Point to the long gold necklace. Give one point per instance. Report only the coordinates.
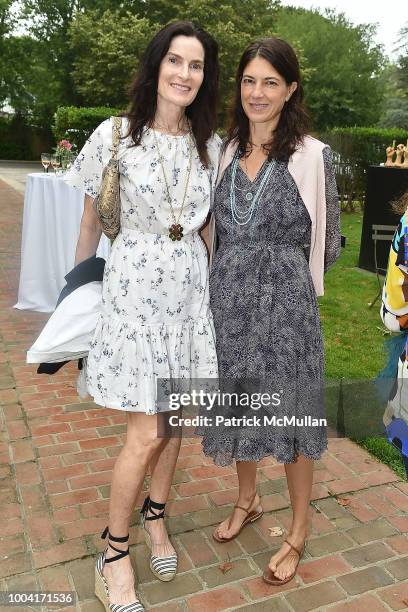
(176, 230)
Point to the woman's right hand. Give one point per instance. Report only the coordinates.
(89, 233)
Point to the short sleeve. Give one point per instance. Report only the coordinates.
(333, 236)
(86, 171)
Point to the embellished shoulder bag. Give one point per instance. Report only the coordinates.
(107, 202)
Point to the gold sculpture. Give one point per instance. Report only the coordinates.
(390, 154)
(405, 164)
(401, 156)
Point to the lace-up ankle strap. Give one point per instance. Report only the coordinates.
(122, 553)
(150, 506)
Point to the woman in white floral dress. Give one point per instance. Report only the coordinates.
(155, 320)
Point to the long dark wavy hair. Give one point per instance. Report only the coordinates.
(202, 111)
(294, 122)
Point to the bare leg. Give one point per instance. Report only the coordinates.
(300, 479)
(246, 471)
(127, 481)
(162, 467)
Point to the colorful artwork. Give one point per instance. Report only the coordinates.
(394, 314)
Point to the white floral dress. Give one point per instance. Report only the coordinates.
(155, 319)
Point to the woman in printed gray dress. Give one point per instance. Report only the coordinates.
(155, 319)
(277, 224)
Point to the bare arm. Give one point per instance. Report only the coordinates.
(205, 233)
(89, 233)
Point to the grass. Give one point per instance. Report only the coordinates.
(354, 333)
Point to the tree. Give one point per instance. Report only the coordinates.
(7, 20)
(344, 88)
(395, 112)
(395, 107)
(85, 52)
(402, 66)
(21, 81)
(48, 21)
(117, 41)
(234, 24)
(87, 56)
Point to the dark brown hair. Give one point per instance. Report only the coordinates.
(294, 122)
(143, 91)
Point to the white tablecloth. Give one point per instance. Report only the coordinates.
(51, 221)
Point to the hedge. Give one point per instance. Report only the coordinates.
(21, 141)
(356, 148)
(76, 124)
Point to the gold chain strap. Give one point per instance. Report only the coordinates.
(176, 221)
(116, 134)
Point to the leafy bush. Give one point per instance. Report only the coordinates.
(76, 124)
(354, 149)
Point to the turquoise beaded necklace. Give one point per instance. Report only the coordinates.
(241, 216)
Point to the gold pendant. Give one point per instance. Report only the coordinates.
(176, 231)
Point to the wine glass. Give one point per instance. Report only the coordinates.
(45, 160)
(55, 162)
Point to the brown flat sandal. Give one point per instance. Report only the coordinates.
(269, 576)
(251, 518)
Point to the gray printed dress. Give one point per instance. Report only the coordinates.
(155, 321)
(266, 315)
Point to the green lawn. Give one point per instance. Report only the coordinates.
(353, 332)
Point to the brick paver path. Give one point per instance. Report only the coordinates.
(56, 457)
